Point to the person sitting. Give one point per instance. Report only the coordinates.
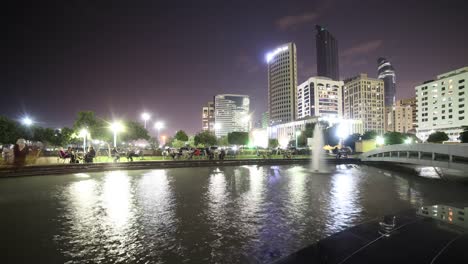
(20, 151)
(88, 158)
(70, 153)
(115, 154)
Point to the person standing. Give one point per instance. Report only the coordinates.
(20, 151)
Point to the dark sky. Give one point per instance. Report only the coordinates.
(119, 58)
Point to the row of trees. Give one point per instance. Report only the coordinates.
(98, 128)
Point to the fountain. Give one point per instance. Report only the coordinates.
(317, 158)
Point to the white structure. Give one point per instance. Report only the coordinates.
(282, 84)
(231, 114)
(320, 96)
(442, 104)
(364, 100)
(208, 117)
(400, 116)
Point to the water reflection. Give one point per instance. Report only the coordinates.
(204, 215)
(344, 207)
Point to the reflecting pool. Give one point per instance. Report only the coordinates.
(199, 215)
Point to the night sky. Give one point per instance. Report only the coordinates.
(119, 58)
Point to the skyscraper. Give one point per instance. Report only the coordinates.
(282, 84)
(231, 114)
(387, 74)
(327, 54)
(364, 100)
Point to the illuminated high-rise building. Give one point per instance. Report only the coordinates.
(364, 100)
(208, 117)
(282, 84)
(231, 114)
(320, 97)
(327, 54)
(386, 72)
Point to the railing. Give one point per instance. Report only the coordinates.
(436, 155)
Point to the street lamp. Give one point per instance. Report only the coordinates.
(298, 133)
(116, 127)
(158, 126)
(27, 121)
(145, 116)
(84, 134)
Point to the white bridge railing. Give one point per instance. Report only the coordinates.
(436, 155)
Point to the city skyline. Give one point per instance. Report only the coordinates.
(120, 61)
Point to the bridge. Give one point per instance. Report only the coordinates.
(449, 156)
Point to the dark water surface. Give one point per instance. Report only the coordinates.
(198, 215)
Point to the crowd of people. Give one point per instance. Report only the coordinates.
(195, 153)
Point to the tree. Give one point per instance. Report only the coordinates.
(273, 143)
(178, 143)
(97, 128)
(181, 135)
(10, 131)
(371, 134)
(134, 131)
(437, 137)
(464, 135)
(238, 138)
(392, 138)
(205, 138)
(223, 141)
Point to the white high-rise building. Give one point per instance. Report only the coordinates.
(442, 104)
(231, 114)
(364, 100)
(282, 84)
(320, 97)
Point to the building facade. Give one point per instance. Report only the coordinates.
(364, 100)
(282, 84)
(265, 120)
(231, 114)
(208, 117)
(442, 104)
(400, 116)
(327, 54)
(386, 72)
(321, 97)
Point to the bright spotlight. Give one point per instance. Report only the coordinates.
(83, 133)
(117, 126)
(145, 116)
(27, 121)
(379, 140)
(408, 141)
(158, 125)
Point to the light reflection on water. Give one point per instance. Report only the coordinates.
(203, 215)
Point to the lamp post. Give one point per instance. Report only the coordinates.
(84, 134)
(116, 127)
(145, 116)
(158, 126)
(298, 133)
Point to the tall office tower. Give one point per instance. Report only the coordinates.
(231, 114)
(208, 117)
(364, 100)
(443, 104)
(387, 74)
(327, 54)
(400, 116)
(282, 84)
(320, 97)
